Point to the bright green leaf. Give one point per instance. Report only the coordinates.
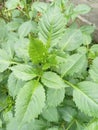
(37, 51)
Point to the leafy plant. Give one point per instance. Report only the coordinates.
(48, 67)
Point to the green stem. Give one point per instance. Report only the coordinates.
(70, 84)
(69, 126)
(13, 62)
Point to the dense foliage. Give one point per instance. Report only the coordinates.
(48, 67)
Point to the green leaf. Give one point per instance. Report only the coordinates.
(37, 51)
(71, 40)
(86, 98)
(23, 72)
(51, 114)
(79, 126)
(94, 70)
(88, 29)
(37, 124)
(92, 126)
(33, 125)
(55, 96)
(51, 26)
(14, 85)
(32, 97)
(21, 48)
(0, 123)
(82, 9)
(26, 28)
(67, 113)
(86, 39)
(12, 4)
(39, 6)
(53, 128)
(3, 31)
(52, 80)
(4, 60)
(74, 64)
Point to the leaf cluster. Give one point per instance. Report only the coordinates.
(48, 67)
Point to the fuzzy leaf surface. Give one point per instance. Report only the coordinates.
(76, 63)
(86, 98)
(52, 80)
(23, 72)
(14, 85)
(71, 40)
(51, 26)
(4, 60)
(32, 97)
(51, 114)
(37, 51)
(94, 70)
(55, 96)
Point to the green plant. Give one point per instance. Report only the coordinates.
(48, 68)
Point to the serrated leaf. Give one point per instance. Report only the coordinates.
(33, 125)
(26, 28)
(4, 60)
(71, 40)
(14, 85)
(51, 26)
(37, 51)
(23, 72)
(55, 96)
(94, 70)
(32, 97)
(50, 114)
(52, 80)
(86, 97)
(75, 63)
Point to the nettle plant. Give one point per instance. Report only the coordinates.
(48, 67)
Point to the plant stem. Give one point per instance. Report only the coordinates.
(69, 126)
(13, 62)
(70, 84)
